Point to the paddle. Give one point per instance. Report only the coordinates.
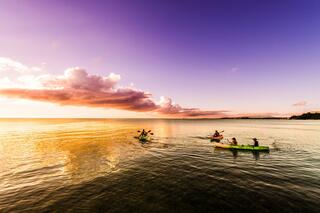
(147, 132)
(140, 131)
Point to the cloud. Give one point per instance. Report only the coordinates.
(300, 104)
(78, 79)
(15, 74)
(260, 115)
(119, 99)
(9, 66)
(78, 88)
(166, 106)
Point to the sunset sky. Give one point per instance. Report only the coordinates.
(167, 58)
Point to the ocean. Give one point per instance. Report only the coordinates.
(96, 165)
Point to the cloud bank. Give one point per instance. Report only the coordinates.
(79, 88)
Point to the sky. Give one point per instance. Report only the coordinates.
(168, 58)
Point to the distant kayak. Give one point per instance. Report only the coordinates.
(143, 138)
(241, 147)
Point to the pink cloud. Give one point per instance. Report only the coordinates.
(300, 104)
(167, 107)
(78, 79)
(77, 87)
(260, 115)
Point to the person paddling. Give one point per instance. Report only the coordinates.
(216, 134)
(234, 142)
(143, 133)
(255, 142)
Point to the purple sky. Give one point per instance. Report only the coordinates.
(245, 56)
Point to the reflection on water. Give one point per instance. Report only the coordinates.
(235, 153)
(89, 164)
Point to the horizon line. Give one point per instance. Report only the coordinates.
(169, 118)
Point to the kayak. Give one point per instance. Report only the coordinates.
(143, 138)
(217, 138)
(241, 147)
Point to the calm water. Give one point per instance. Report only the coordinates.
(96, 165)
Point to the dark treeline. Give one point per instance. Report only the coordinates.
(262, 118)
(307, 116)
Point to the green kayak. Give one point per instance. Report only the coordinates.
(241, 147)
(143, 138)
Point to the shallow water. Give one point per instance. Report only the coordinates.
(91, 165)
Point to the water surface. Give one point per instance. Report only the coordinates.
(91, 165)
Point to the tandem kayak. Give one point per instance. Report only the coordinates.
(241, 147)
(143, 138)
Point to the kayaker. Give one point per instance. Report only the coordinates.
(216, 134)
(255, 142)
(234, 142)
(143, 133)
